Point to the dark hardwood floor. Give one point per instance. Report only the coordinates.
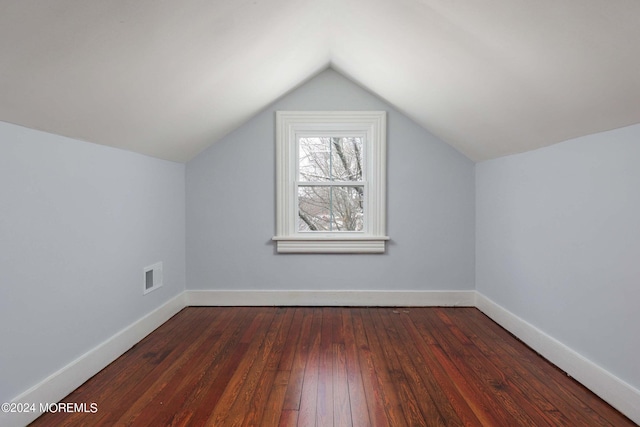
(266, 366)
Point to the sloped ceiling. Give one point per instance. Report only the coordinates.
(168, 78)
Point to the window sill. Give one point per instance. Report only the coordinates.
(330, 245)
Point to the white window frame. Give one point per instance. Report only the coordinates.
(291, 125)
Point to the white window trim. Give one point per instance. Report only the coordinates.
(370, 124)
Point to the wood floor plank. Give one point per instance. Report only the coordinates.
(490, 379)
(269, 374)
(189, 386)
(169, 383)
(254, 339)
(447, 390)
(333, 366)
(275, 401)
(373, 390)
(245, 403)
(207, 394)
(143, 391)
(449, 357)
(288, 418)
(544, 399)
(435, 408)
(341, 401)
(357, 396)
(133, 365)
(389, 394)
(416, 411)
(309, 393)
(592, 410)
(299, 363)
(324, 402)
(291, 343)
(511, 397)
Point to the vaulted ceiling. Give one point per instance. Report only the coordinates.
(169, 78)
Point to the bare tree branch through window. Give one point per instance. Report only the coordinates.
(331, 186)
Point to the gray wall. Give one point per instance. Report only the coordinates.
(78, 222)
(231, 212)
(558, 243)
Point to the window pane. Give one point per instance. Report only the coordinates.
(325, 208)
(346, 159)
(330, 159)
(314, 159)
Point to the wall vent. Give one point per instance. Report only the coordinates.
(152, 277)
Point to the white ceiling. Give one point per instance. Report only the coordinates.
(168, 78)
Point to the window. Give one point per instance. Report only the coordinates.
(330, 194)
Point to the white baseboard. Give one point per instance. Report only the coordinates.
(613, 390)
(61, 383)
(331, 298)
